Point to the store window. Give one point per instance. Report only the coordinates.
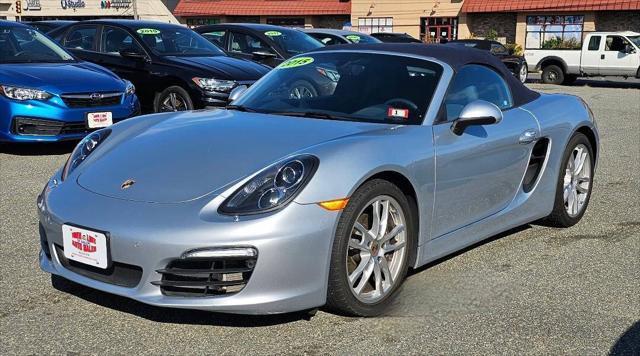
(286, 21)
(375, 24)
(554, 32)
(435, 29)
(195, 22)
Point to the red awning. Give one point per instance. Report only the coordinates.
(548, 5)
(261, 7)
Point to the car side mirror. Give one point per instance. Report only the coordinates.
(263, 54)
(237, 92)
(131, 53)
(478, 112)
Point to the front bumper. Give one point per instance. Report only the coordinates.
(290, 274)
(62, 122)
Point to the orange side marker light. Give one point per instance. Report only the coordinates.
(334, 205)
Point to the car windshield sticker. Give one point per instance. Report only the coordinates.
(148, 31)
(398, 113)
(353, 38)
(295, 62)
(273, 33)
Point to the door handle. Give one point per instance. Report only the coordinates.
(528, 137)
(602, 56)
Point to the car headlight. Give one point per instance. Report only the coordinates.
(210, 84)
(272, 188)
(83, 150)
(18, 93)
(131, 89)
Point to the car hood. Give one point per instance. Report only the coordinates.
(224, 67)
(182, 157)
(60, 78)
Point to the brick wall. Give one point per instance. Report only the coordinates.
(618, 21)
(504, 24)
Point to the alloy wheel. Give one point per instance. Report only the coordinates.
(301, 92)
(577, 180)
(524, 72)
(173, 102)
(376, 250)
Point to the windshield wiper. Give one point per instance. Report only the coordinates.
(240, 108)
(315, 114)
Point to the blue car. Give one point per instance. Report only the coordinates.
(46, 94)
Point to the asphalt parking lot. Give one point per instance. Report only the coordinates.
(533, 290)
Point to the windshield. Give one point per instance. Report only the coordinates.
(635, 40)
(347, 86)
(177, 41)
(26, 45)
(293, 42)
(361, 38)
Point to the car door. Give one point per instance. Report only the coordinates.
(81, 40)
(113, 40)
(615, 59)
(247, 46)
(479, 172)
(591, 58)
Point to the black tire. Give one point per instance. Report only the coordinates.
(569, 79)
(559, 217)
(552, 74)
(340, 298)
(181, 94)
(305, 88)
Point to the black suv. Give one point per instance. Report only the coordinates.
(172, 67)
(516, 64)
(267, 44)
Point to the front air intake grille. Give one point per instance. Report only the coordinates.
(120, 274)
(42, 127)
(91, 100)
(204, 277)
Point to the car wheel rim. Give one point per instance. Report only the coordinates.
(376, 249)
(577, 180)
(173, 102)
(301, 92)
(523, 74)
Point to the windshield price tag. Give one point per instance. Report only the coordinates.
(273, 33)
(353, 38)
(148, 31)
(398, 113)
(295, 62)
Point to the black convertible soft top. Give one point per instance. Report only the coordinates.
(455, 56)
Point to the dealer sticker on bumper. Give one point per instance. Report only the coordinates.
(85, 246)
(97, 120)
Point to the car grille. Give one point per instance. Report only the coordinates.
(120, 274)
(41, 127)
(92, 100)
(202, 277)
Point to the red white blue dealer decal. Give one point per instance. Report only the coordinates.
(398, 113)
(85, 246)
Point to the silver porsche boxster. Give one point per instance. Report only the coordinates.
(321, 185)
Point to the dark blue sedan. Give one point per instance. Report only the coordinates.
(46, 94)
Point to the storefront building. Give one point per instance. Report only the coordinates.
(427, 20)
(291, 13)
(549, 24)
(37, 10)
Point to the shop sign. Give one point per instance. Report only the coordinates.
(72, 4)
(32, 5)
(115, 4)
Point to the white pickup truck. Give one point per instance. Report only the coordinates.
(602, 54)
